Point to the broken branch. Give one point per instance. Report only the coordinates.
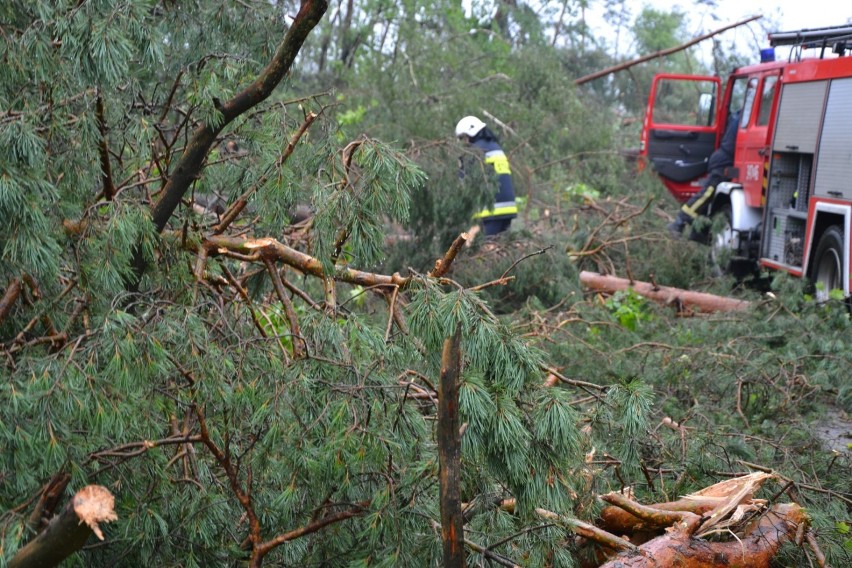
(66, 533)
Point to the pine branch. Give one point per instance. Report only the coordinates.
(357, 510)
(491, 555)
(189, 165)
(103, 149)
(663, 53)
(237, 207)
(443, 266)
(223, 458)
(653, 516)
(289, 310)
(588, 531)
(273, 249)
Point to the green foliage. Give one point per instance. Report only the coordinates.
(363, 191)
(656, 30)
(629, 308)
(580, 192)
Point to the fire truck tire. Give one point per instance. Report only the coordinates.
(827, 270)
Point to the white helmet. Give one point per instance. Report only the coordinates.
(469, 126)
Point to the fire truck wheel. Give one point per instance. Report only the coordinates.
(828, 263)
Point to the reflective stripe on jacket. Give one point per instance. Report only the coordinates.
(502, 209)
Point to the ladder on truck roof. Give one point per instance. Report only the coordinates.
(839, 38)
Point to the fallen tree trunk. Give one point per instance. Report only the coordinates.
(67, 532)
(682, 299)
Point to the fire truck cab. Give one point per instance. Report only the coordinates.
(788, 202)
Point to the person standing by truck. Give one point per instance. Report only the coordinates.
(720, 159)
(498, 218)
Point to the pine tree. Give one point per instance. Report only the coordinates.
(244, 389)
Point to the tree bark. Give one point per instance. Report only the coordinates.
(449, 453)
(10, 296)
(682, 299)
(66, 533)
(48, 502)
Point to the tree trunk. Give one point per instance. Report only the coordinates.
(66, 533)
(682, 299)
(449, 453)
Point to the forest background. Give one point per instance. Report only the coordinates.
(230, 266)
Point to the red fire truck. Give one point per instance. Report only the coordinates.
(788, 204)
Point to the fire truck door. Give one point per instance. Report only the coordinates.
(681, 130)
(752, 152)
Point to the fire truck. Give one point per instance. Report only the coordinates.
(788, 202)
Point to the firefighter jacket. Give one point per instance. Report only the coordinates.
(504, 202)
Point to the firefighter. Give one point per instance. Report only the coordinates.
(498, 218)
(720, 159)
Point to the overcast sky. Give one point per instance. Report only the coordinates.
(778, 15)
(790, 14)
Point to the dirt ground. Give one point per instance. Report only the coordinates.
(835, 430)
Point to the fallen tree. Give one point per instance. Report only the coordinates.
(683, 300)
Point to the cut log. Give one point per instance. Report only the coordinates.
(67, 532)
(682, 299)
